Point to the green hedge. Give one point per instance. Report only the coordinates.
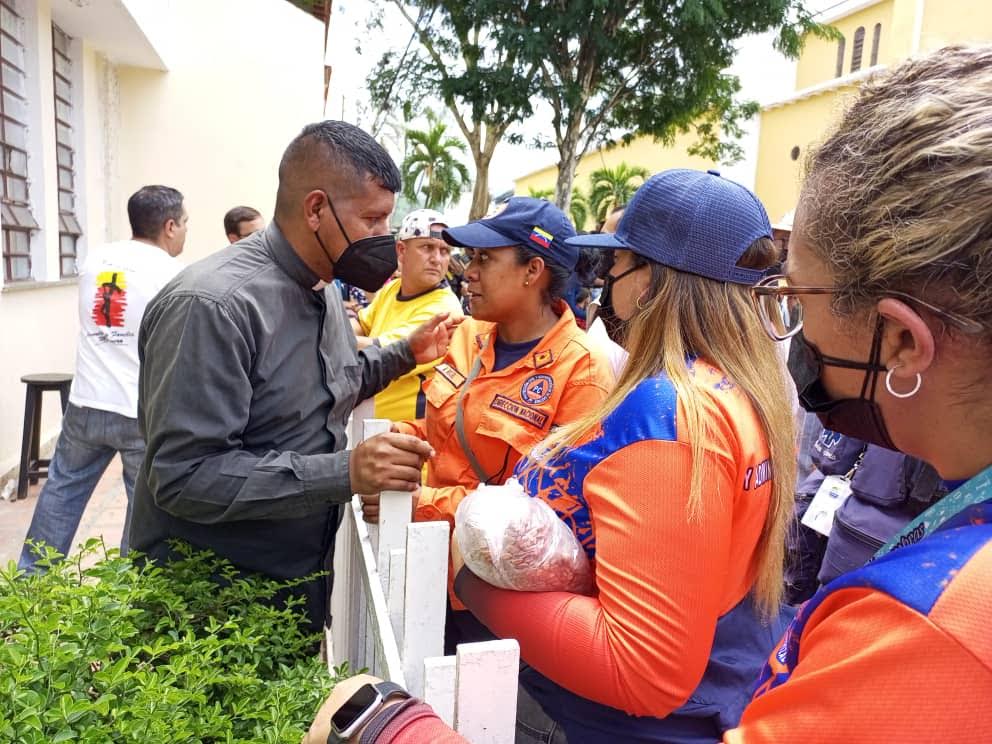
(98, 649)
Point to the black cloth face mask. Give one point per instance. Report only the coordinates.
(616, 327)
(859, 417)
(365, 263)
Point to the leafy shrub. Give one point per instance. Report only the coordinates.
(99, 649)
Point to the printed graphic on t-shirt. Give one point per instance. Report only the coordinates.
(110, 301)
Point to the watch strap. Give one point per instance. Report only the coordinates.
(382, 719)
(389, 689)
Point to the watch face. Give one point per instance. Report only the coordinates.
(364, 699)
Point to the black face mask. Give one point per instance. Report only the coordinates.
(859, 417)
(616, 327)
(365, 263)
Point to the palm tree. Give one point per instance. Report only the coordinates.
(540, 193)
(431, 170)
(578, 209)
(614, 187)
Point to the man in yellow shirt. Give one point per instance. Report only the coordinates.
(420, 292)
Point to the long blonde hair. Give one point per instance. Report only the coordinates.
(689, 316)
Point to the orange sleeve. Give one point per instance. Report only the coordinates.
(581, 397)
(440, 502)
(643, 643)
(874, 670)
(415, 428)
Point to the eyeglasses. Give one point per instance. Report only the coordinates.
(781, 311)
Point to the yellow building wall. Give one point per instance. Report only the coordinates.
(642, 151)
(956, 22)
(818, 62)
(801, 124)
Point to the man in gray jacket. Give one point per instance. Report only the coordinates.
(249, 371)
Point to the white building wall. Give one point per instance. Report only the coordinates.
(243, 77)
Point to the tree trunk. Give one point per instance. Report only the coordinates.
(480, 192)
(568, 155)
(483, 157)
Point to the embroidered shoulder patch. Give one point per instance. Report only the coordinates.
(543, 358)
(520, 411)
(452, 375)
(537, 389)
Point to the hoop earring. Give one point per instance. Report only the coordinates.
(893, 393)
(637, 302)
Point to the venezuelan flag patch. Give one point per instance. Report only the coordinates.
(542, 237)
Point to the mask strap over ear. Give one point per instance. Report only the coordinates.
(336, 218)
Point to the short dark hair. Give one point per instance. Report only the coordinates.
(236, 216)
(150, 207)
(332, 151)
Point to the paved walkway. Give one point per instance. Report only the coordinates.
(104, 515)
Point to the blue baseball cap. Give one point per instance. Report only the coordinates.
(692, 221)
(533, 223)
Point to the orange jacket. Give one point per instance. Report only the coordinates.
(507, 411)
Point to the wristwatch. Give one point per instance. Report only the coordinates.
(360, 708)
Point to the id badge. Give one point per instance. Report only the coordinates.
(833, 492)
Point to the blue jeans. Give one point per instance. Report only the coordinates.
(89, 440)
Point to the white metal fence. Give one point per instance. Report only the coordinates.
(388, 608)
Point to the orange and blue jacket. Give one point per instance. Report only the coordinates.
(898, 650)
(673, 591)
(506, 411)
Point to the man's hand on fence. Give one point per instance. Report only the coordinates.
(388, 462)
(370, 506)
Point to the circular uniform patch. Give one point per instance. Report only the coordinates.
(537, 389)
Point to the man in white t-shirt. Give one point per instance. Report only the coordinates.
(116, 282)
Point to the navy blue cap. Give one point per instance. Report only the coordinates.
(693, 221)
(533, 223)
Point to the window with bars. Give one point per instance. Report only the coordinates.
(876, 37)
(18, 222)
(857, 49)
(841, 45)
(69, 230)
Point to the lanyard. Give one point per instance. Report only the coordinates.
(975, 491)
(460, 420)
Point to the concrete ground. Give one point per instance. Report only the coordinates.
(104, 515)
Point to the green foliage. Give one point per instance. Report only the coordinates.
(614, 187)
(432, 174)
(579, 209)
(540, 193)
(116, 652)
(656, 68)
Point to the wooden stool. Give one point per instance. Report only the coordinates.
(32, 468)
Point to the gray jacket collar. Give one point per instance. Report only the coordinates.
(286, 257)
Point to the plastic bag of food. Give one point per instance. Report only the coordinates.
(517, 542)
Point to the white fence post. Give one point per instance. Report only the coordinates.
(388, 608)
(439, 687)
(486, 691)
(395, 513)
(426, 587)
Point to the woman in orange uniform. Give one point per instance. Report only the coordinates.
(514, 370)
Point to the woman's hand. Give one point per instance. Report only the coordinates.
(320, 729)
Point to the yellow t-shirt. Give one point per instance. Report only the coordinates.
(391, 317)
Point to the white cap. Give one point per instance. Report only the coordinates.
(418, 224)
(786, 222)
